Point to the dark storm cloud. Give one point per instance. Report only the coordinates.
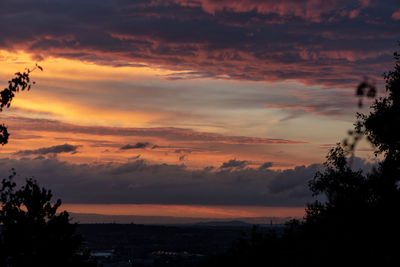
(318, 42)
(65, 148)
(135, 146)
(233, 163)
(141, 182)
(266, 165)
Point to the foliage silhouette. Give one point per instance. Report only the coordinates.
(356, 220)
(20, 82)
(33, 234)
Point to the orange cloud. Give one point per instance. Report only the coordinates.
(167, 133)
(171, 145)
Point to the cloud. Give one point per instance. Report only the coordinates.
(294, 180)
(136, 146)
(65, 148)
(312, 10)
(320, 102)
(321, 109)
(142, 182)
(135, 157)
(165, 133)
(266, 165)
(183, 151)
(233, 163)
(396, 15)
(313, 41)
(138, 181)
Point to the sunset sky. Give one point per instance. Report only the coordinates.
(188, 102)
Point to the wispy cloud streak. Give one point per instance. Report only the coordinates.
(166, 133)
(65, 148)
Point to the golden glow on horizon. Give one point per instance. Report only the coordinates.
(193, 211)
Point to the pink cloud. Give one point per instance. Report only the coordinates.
(354, 13)
(308, 9)
(396, 15)
(235, 62)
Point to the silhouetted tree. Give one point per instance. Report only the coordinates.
(361, 211)
(20, 82)
(33, 233)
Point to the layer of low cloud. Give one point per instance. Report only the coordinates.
(65, 148)
(139, 181)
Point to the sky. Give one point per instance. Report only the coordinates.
(188, 102)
